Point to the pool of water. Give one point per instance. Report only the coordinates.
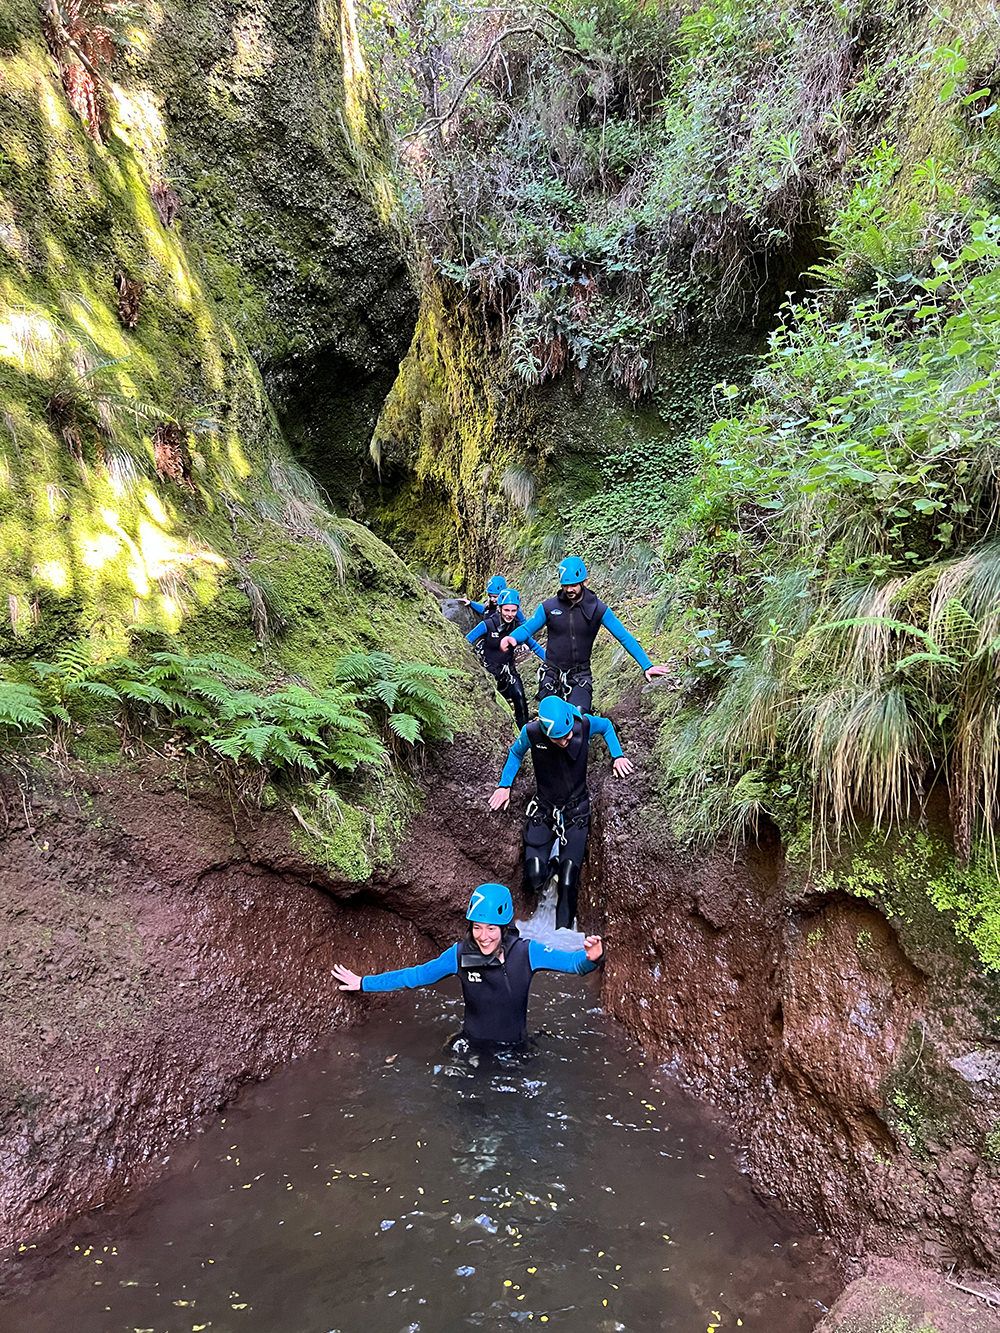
(381, 1186)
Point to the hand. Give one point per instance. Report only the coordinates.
(623, 767)
(462, 601)
(500, 799)
(593, 947)
(507, 643)
(651, 672)
(348, 980)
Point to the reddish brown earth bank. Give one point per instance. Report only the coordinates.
(862, 1074)
(156, 955)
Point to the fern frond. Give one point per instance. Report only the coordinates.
(20, 706)
(406, 726)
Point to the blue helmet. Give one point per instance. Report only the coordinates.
(556, 716)
(509, 597)
(571, 570)
(496, 585)
(491, 905)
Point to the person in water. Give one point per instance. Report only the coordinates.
(573, 618)
(491, 605)
(501, 665)
(493, 963)
(559, 813)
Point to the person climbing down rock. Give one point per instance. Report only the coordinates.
(573, 618)
(495, 966)
(502, 666)
(494, 588)
(560, 811)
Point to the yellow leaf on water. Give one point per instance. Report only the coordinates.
(532, 1270)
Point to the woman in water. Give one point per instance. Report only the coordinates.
(493, 963)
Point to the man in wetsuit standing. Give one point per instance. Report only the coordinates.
(573, 618)
(501, 665)
(560, 811)
(493, 963)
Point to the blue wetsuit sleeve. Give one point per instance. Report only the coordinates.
(603, 726)
(524, 632)
(475, 634)
(628, 641)
(543, 958)
(479, 607)
(515, 756)
(407, 978)
(536, 648)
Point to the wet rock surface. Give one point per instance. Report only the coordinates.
(897, 1298)
(158, 955)
(860, 1079)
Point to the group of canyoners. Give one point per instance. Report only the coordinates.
(493, 962)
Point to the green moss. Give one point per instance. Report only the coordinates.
(354, 832)
(936, 903)
(922, 1095)
(94, 544)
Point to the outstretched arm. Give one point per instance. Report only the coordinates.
(404, 978)
(543, 958)
(515, 756)
(480, 607)
(536, 648)
(632, 645)
(524, 632)
(628, 641)
(476, 633)
(603, 726)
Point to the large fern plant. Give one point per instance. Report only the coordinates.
(220, 707)
(403, 697)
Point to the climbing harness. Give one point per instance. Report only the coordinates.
(553, 681)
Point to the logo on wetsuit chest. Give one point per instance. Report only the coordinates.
(555, 612)
(473, 976)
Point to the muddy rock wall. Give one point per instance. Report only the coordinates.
(857, 1061)
(158, 955)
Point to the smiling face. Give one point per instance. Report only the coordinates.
(487, 937)
(508, 614)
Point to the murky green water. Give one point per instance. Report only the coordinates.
(376, 1188)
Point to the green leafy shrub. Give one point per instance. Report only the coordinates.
(220, 707)
(837, 543)
(403, 696)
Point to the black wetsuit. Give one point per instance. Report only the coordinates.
(496, 993)
(503, 668)
(572, 628)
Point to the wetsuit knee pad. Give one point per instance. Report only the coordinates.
(536, 872)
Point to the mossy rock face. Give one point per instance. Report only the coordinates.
(475, 473)
(148, 498)
(947, 914)
(263, 109)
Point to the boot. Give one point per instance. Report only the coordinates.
(536, 874)
(569, 880)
